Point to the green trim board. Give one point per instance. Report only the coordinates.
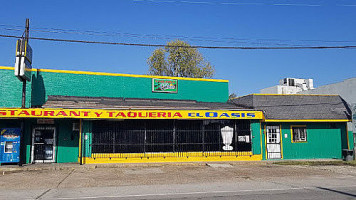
(351, 139)
(87, 129)
(256, 137)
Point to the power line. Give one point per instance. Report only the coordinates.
(241, 3)
(223, 39)
(159, 36)
(194, 46)
(198, 38)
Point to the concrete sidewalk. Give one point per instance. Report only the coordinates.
(73, 175)
(63, 166)
(12, 168)
(7, 168)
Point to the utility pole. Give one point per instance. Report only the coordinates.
(27, 35)
(23, 45)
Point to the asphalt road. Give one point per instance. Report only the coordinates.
(247, 190)
(275, 194)
(314, 187)
(235, 181)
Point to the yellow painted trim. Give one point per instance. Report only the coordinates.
(294, 94)
(170, 154)
(291, 133)
(117, 74)
(17, 45)
(347, 137)
(80, 139)
(162, 159)
(306, 120)
(7, 68)
(261, 137)
(281, 138)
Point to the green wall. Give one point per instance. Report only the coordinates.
(66, 84)
(67, 141)
(11, 90)
(324, 140)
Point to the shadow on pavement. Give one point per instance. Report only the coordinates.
(336, 191)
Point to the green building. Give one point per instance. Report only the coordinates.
(92, 117)
(301, 126)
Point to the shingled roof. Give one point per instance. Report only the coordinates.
(76, 102)
(296, 107)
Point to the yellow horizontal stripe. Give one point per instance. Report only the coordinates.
(117, 74)
(307, 120)
(87, 160)
(168, 154)
(287, 95)
(8, 68)
(297, 94)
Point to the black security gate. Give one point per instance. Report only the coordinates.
(43, 144)
(112, 138)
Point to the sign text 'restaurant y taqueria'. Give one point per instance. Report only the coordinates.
(128, 114)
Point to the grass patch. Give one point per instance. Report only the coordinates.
(317, 163)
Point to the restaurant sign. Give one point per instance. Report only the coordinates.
(165, 85)
(127, 114)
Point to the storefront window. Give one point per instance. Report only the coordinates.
(141, 136)
(299, 133)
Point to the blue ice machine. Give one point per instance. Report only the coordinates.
(10, 145)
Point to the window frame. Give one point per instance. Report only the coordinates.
(292, 134)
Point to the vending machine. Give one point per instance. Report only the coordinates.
(10, 145)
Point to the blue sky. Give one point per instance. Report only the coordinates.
(199, 22)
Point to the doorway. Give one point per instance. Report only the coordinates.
(43, 144)
(273, 142)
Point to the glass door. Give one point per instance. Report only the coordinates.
(43, 144)
(273, 142)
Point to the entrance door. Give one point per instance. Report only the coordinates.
(273, 138)
(43, 144)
